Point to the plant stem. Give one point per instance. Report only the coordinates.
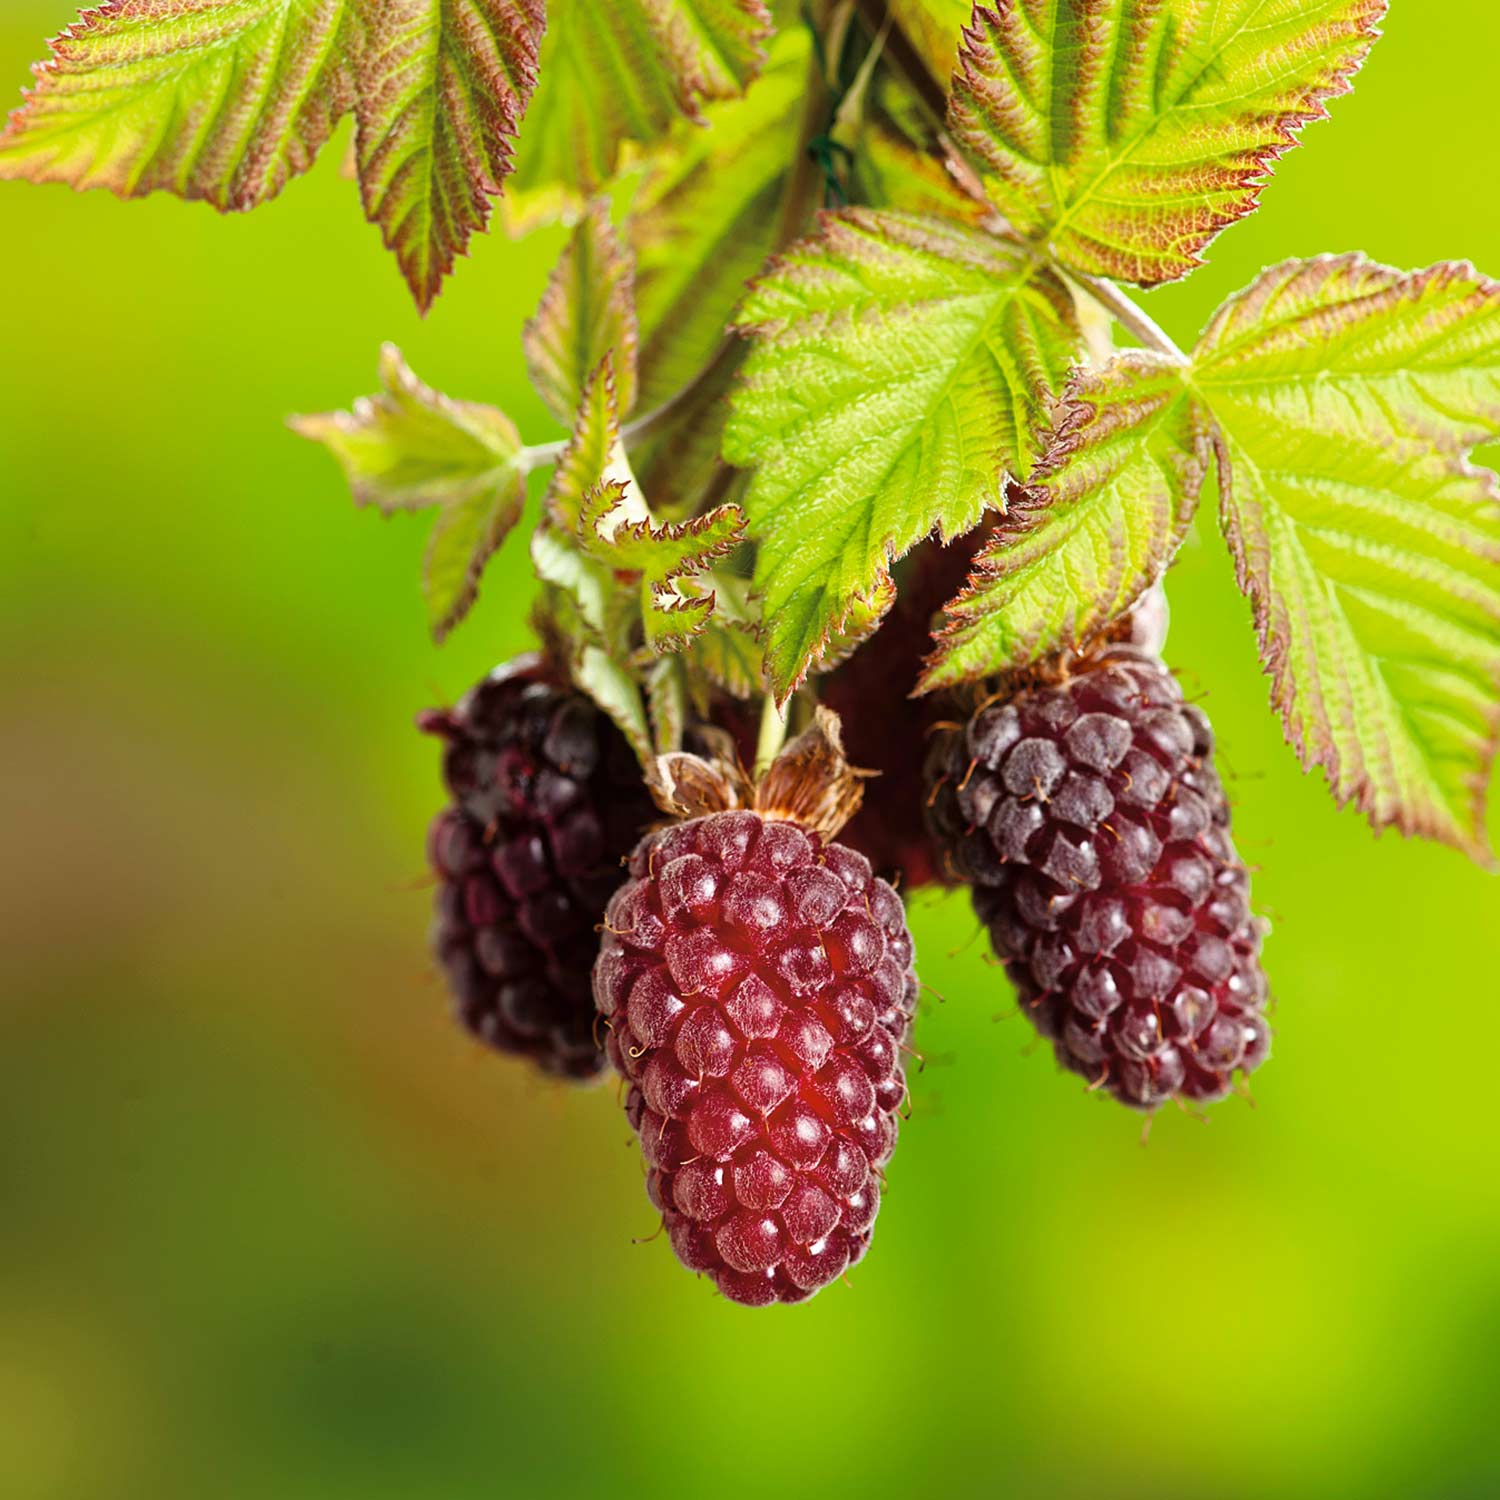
(535, 455)
(1128, 313)
(772, 735)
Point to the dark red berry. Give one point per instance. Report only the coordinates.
(1094, 829)
(758, 987)
(547, 801)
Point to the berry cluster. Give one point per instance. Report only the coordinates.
(1095, 831)
(547, 801)
(758, 987)
(753, 980)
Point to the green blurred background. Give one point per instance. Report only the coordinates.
(271, 1228)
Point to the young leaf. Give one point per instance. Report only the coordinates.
(727, 650)
(200, 98)
(225, 100)
(1348, 396)
(901, 370)
(410, 448)
(1128, 136)
(612, 687)
(1093, 529)
(442, 86)
(587, 314)
(591, 447)
(668, 558)
(625, 70)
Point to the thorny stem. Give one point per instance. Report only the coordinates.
(933, 99)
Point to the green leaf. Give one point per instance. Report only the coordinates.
(727, 650)
(864, 618)
(706, 218)
(895, 167)
(213, 100)
(1348, 396)
(591, 447)
(410, 448)
(1127, 136)
(587, 315)
(557, 551)
(442, 86)
(614, 71)
(669, 558)
(612, 687)
(225, 100)
(891, 153)
(667, 695)
(1091, 532)
(901, 372)
(648, 570)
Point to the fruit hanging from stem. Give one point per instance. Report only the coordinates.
(758, 986)
(547, 798)
(1088, 817)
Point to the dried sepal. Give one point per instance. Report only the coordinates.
(810, 783)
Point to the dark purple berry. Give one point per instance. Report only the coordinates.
(547, 802)
(1094, 829)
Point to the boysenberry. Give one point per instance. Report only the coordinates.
(1089, 819)
(758, 986)
(548, 799)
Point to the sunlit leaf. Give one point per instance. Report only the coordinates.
(225, 100)
(1349, 396)
(1090, 532)
(202, 98)
(442, 86)
(706, 218)
(410, 448)
(1127, 135)
(901, 372)
(618, 71)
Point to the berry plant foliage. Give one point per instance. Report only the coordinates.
(849, 570)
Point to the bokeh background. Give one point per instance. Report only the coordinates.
(269, 1227)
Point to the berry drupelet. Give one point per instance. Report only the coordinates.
(547, 801)
(758, 987)
(1089, 819)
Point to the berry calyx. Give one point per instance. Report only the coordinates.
(1089, 819)
(547, 799)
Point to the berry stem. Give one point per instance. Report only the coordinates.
(772, 735)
